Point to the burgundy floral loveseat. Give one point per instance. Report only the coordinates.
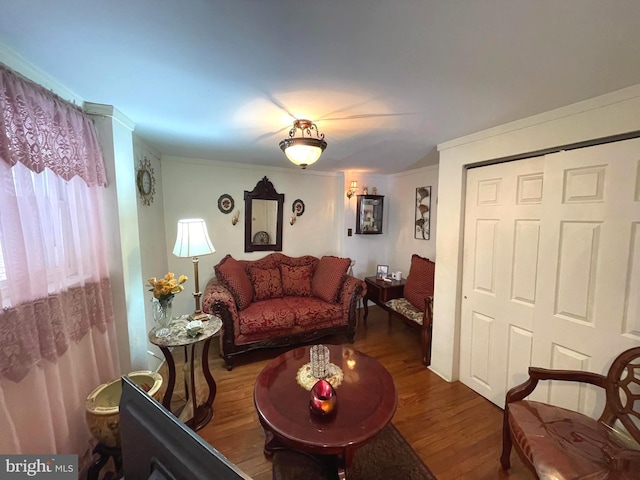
(280, 300)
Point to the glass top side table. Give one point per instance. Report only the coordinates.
(178, 337)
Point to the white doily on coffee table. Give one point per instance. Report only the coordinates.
(306, 380)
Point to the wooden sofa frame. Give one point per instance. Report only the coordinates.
(229, 349)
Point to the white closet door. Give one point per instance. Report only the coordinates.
(502, 233)
(589, 278)
(551, 269)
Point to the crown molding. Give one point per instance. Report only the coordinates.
(110, 111)
(19, 64)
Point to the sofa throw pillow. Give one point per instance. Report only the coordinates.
(267, 282)
(328, 277)
(419, 284)
(296, 280)
(233, 276)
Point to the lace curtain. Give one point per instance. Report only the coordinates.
(41, 130)
(57, 337)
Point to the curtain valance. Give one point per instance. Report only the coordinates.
(41, 130)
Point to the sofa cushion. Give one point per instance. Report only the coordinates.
(270, 261)
(266, 316)
(298, 261)
(328, 277)
(419, 284)
(406, 309)
(233, 275)
(296, 280)
(311, 311)
(267, 282)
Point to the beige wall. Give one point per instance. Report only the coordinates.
(402, 193)
(151, 231)
(610, 114)
(191, 188)
(366, 250)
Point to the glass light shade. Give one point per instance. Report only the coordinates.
(192, 239)
(354, 185)
(303, 154)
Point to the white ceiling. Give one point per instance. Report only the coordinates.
(217, 79)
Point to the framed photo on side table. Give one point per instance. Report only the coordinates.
(382, 271)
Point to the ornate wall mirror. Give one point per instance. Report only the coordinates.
(263, 218)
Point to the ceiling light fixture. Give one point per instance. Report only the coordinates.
(301, 150)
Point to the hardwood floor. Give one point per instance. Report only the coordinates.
(455, 431)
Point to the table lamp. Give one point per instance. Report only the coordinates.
(193, 241)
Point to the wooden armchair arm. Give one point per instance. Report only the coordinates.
(536, 374)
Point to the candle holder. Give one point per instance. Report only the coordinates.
(323, 399)
(319, 360)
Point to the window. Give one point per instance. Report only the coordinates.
(53, 235)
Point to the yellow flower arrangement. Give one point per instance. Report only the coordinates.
(165, 288)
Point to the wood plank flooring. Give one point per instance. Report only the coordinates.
(455, 431)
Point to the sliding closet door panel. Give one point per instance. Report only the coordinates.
(502, 235)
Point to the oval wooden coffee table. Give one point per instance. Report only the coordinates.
(366, 403)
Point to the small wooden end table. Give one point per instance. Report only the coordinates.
(179, 338)
(380, 292)
(366, 402)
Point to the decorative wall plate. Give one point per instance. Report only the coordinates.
(225, 203)
(298, 207)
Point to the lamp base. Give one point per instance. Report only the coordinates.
(199, 316)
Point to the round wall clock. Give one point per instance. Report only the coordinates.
(225, 203)
(146, 181)
(298, 207)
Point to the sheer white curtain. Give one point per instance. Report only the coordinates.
(57, 335)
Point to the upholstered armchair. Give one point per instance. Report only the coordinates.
(560, 444)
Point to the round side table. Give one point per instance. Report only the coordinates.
(178, 337)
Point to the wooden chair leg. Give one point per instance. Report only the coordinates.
(426, 333)
(423, 344)
(505, 458)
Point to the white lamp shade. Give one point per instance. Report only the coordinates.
(192, 239)
(303, 154)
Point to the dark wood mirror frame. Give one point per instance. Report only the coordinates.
(263, 191)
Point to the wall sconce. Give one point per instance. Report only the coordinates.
(293, 219)
(353, 188)
(235, 218)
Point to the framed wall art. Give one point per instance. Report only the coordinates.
(423, 213)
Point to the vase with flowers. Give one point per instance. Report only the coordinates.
(164, 289)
